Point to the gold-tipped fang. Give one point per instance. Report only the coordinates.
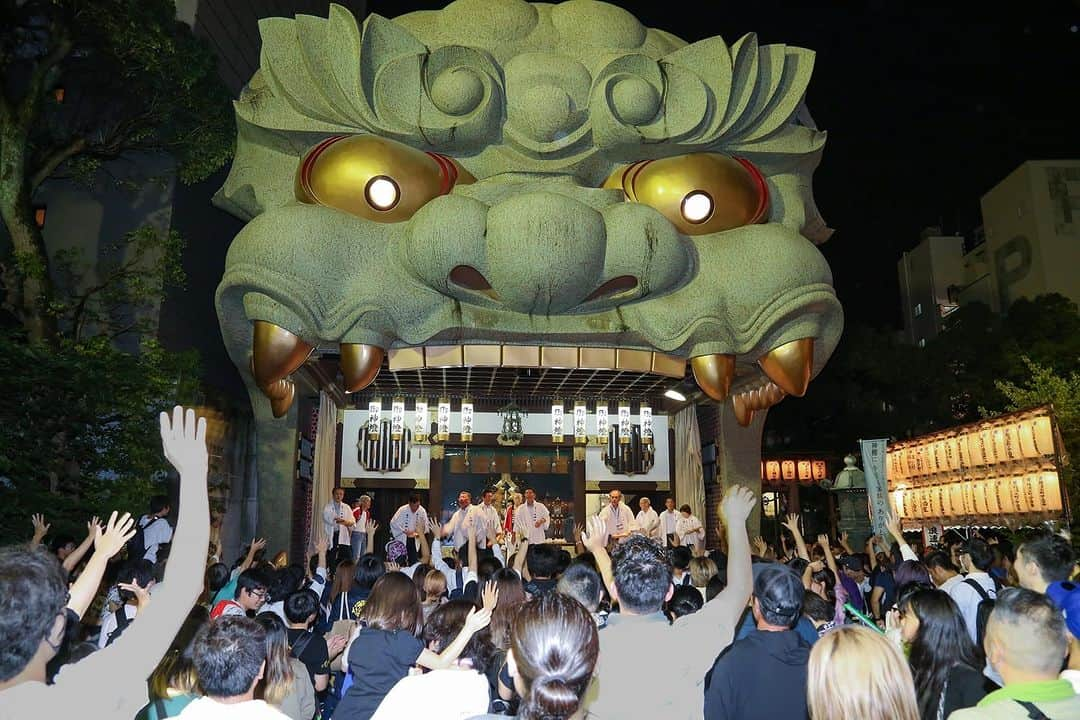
(279, 407)
(360, 364)
(790, 366)
(713, 374)
(276, 353)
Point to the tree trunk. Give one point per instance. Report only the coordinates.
(29, 284)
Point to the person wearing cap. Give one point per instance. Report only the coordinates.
(1066, 596)
(764, 674)
(852, 573)
(1026, 644)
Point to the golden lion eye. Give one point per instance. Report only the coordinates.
(375, 178)
(700, 193)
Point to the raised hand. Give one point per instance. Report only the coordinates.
(792, 523)
(823, 541)
(593, 538)
(391, 566)
(93, 524)
(760, 546)
(142, 595)
(435, 528)
(372, 526)
(184, 441)
(579, 528)
(117, 532)
(490, 595)
(737, 505)
(321, 545)
(477, 620)
(893, 524)
(41, 528)
(257, 544)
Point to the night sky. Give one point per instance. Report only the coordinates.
(927, 108)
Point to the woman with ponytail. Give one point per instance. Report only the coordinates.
(553, 649)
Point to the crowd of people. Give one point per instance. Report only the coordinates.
(479, 617)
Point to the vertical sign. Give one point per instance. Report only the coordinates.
(466, 420)
(420, 421)
(557, 422)
(646, 424)
(877, 487)
(397, 419)
(374, 415)
(624, 423)
(602, 426)
(444, 419)
(581, 414)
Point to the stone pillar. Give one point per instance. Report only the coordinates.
(738, 462)
(275, 459)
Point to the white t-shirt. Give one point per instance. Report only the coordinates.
(209, 709)
(452, 694)
(155, 533)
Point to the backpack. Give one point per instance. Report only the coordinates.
(122, 622)
(136, 546)
(982, 614)
(301, 644)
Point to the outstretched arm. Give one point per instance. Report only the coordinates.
(372, 526)
(906, 553)
(476, 621)
(792, 524)
(823, 543)
(712, 628)
(72, 561)
(41, 528)
(138, 651)
(594, 543)
(107, 543)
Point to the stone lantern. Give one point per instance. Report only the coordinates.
(852, 509)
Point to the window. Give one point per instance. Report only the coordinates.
(918, 309)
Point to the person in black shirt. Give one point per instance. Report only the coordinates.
(305, 643)
(745, 678)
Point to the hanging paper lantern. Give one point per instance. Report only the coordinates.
(602, 424)
(444, 419)
(624, 423)
(557, 422)
(580, 416)
(466, 420)
(374, 415)
(397, 418)
(420, 421)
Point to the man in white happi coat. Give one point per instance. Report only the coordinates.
(618, 519)
(338, 521)
(408, 523)
(648, 521)
(531, 519)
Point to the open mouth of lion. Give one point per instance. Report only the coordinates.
(750, 383)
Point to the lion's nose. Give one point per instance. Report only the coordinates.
(545, 252)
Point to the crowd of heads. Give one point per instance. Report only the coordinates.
(546, 610)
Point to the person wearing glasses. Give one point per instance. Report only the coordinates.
(251, 591)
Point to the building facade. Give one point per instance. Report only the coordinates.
(1028, 245)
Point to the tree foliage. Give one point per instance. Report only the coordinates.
(87, 86)
(81, 430)
(86, 83)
